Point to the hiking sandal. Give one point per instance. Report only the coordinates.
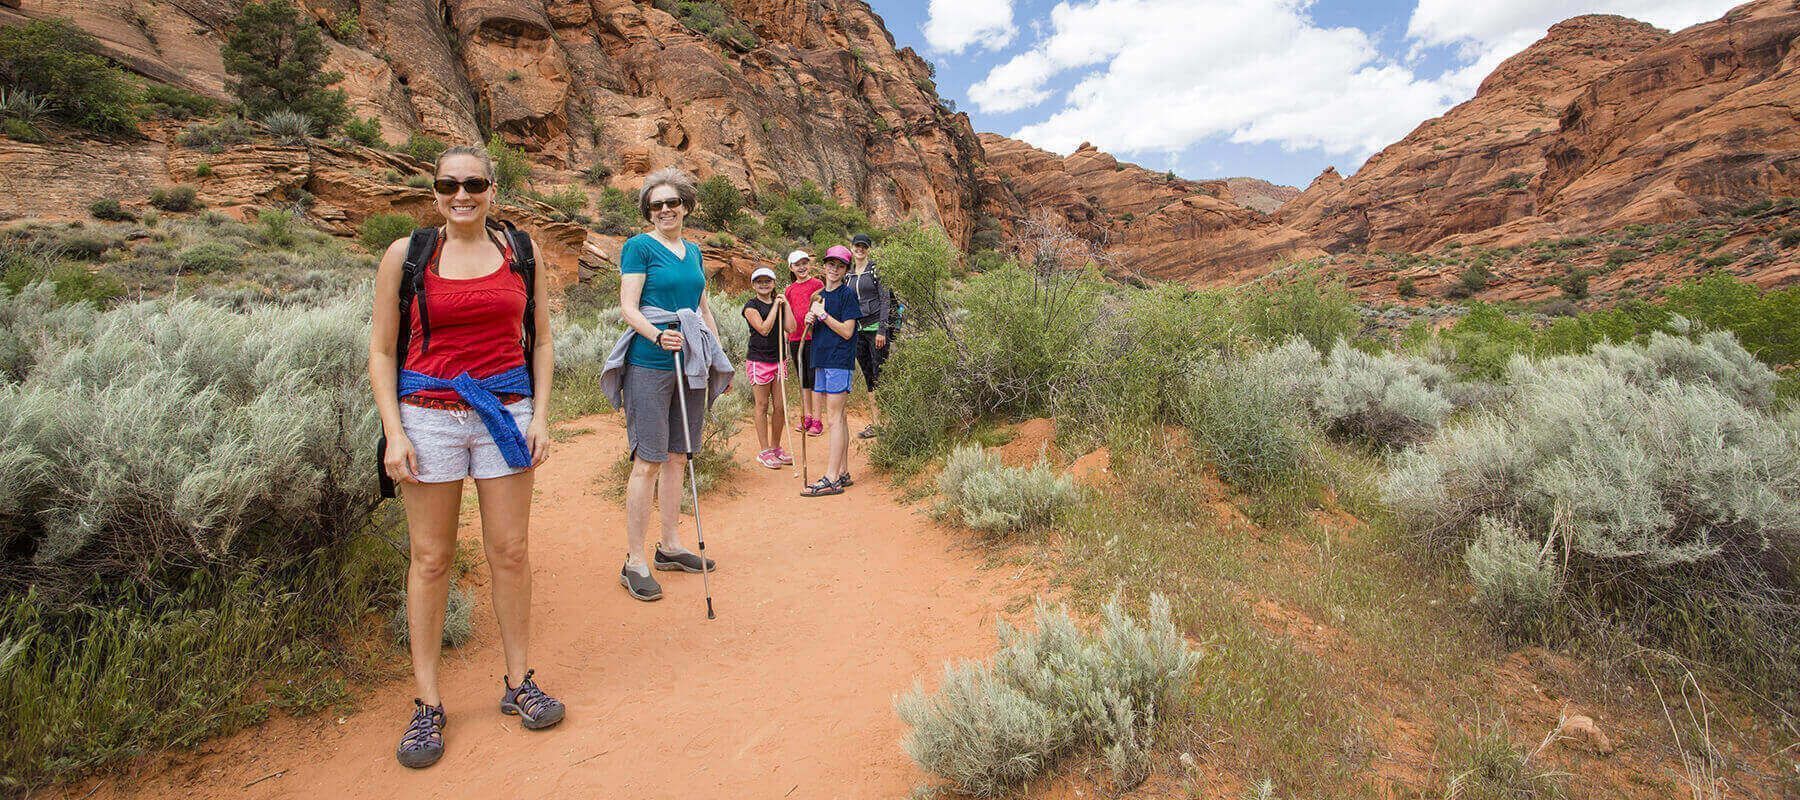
(867, 433)
(821, 488)
(844, 481)
(535, 709)
(423, 743)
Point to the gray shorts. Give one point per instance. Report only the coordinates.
(453, 445)
(652, 413)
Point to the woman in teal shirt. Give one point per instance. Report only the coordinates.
(659, 269)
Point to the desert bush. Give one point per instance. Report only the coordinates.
(380, 230)
(209, 257)
(175, 198)
(215, 137)
(597, 173)
(459, 619)
(1767, 323)
(1512, 573)
(1131, 372)
(1386, 400)
(108, 208)
(23, 105)
(34, 324)
(569, 200)
(720, 202)
(57, 60)
(993, 498)
(173, 102)
(993, 725)
(1671, 500)
(423, 147)
(1249, 421)
(1312, 306)
(288, 127)
(511, 167)
(276, 227)
(364, 131)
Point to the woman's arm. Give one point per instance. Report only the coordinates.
(631, 295)
(760, 323)
(384, 361)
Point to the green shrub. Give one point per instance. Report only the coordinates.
(1311, 305)
(511, 167)
(203, 169)
(1473, 279)
(23, 105)
(617, 213)
(108, 208)
(275, 61)
(1620, 256)
(209, 257)
(55, 59)
(21, 130)
(1514, 578)
(275, 227)
(996, 499)
(993, 725)
(1789, 237)
(288, 127)
(920, 401)
(720, 202)
(1131, 371)
(598, 173)
(569, 200)
(806, 215)
(713, 20)
(423, 147)
(366, 132)
(175, 198)
(1486, 339)
(171, 102)
(216, 137)
(380, 230)
(1767, 323)
(1250, 424)
(1574, 285)
(1405, 287)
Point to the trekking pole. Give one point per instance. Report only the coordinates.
(687, 437)
(805, 468)
(781, 371)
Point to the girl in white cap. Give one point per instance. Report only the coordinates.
(763, 363)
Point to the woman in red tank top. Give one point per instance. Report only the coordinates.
(472, 409)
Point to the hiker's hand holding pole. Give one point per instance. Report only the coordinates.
(400, 460)
(669, 339)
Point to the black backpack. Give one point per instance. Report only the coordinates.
(419, 250)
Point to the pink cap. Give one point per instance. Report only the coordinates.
(840, 253)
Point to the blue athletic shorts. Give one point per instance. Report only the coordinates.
(832, 381)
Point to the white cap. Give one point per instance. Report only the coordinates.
(762, 272)
(794, 257)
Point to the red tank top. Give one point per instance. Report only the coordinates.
(477, 326)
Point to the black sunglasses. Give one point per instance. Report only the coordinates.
(659, 205)
(475, 185)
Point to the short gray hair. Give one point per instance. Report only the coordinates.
(673, 177)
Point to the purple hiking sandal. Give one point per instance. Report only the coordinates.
(536, 710)
(423, 743)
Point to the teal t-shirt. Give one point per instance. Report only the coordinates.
(670, 284)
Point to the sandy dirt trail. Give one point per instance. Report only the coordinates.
(823, 615)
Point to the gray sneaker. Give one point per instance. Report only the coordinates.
(642, 587)
(686, 562)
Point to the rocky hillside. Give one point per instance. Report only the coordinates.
(786, 92)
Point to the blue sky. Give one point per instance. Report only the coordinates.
(1274, 89)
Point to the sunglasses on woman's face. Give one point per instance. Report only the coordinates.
(475, 185)
(659, 205)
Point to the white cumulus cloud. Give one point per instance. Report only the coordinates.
(954, 25)
(1158, 76)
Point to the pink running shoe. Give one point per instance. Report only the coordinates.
(782, 453)
(804, 425)
(816, 427)
(768, 459)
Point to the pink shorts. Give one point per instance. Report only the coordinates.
(763, 373)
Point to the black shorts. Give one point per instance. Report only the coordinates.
(804, 362)
(869, 357)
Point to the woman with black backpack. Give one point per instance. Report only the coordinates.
(460, 360)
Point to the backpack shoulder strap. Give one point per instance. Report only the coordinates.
(524, 262)
(419, 249)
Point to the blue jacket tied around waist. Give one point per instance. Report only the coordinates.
(480, 395)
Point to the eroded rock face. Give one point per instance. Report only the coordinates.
(824, 95)
(1475, 167)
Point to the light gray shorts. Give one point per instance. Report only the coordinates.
(453, 445)
(653, 415)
